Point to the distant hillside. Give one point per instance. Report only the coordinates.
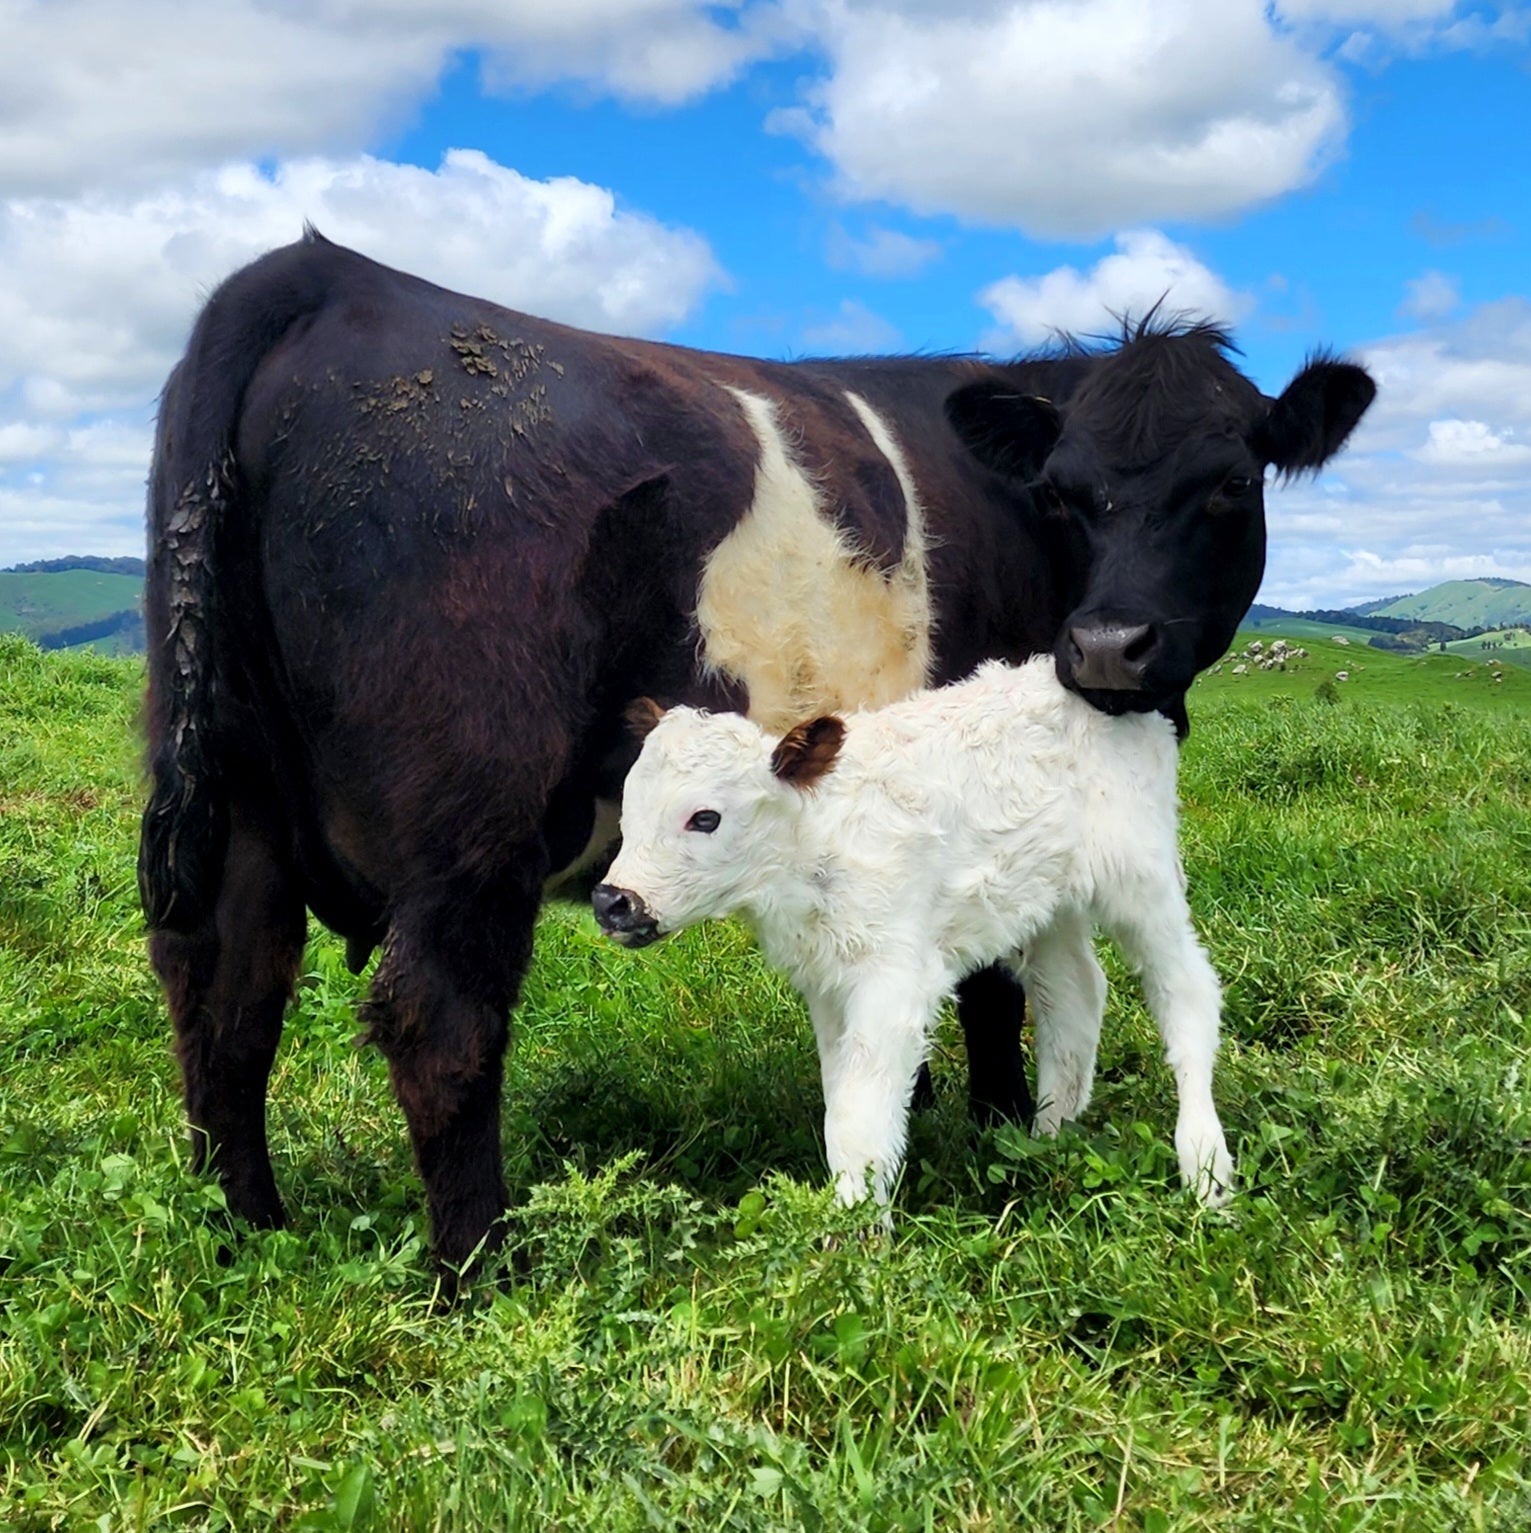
(76, 605)
(1486, 603)
(95, 562)
(1511, 645)
(1405, 635)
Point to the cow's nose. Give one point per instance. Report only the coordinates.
(623, 915)
(1112, 657)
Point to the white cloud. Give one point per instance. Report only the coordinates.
(1432, 295)
(97, 295)
(853, 330)
(101, 93)
(1382, 13)
(881, 252)
(1146, 267)
(1437, 483)
(1067, 117)
(1470, 445)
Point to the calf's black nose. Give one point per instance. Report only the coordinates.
(1112, 657)
(612, 905)
(623, 915)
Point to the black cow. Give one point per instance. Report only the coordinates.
(412, 555)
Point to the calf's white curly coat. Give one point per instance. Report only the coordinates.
(882, 858)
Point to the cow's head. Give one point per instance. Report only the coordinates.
(1154, 467)
(706, 814)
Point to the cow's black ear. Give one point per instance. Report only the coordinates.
(642, 715)
(1008, 432)
(807, 751)
(1318, 410)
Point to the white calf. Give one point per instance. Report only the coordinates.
(882, 858)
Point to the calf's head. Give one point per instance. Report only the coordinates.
(706, 818)
(1153, 470)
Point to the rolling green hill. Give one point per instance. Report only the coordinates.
(1371, 675)
(1510, 645)
(47, 605)
(1289, 625)
(1486, 603)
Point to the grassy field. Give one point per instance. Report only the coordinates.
(1053, 1338)
(1370, 676)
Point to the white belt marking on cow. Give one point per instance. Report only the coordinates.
(793, 608)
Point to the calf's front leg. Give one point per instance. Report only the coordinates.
(1185, 998)
(869, 1064)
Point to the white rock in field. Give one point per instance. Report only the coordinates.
(1340, 638)
(1239, 670)
(1342, 675)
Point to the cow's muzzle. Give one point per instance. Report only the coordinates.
(1110, 657)
(623, 916)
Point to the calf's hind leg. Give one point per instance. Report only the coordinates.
(1068, 1000)
(440, 1012)
(228, 981)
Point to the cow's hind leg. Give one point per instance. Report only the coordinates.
(440, 1012)
(228, 982)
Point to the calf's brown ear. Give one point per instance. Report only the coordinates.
(642, 715)
(807, 751)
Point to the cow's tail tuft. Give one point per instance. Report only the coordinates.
(185, 824)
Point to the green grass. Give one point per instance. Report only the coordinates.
(1054, 1338)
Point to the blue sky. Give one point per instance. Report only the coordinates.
(788, 177)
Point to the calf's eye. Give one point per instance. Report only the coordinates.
(704, 820)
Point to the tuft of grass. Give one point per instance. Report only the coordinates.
(686, 1332)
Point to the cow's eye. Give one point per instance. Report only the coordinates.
(1052, 502)
(1238, 484)
(704, 820)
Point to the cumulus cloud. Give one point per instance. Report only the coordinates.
(98, 93)
(1471, 445)
(1382, 13)
(881, 252)
(1431, 296)
(1146, 267)
(1067, 119)
(1437, 482)
(97, 295)
(852, 330)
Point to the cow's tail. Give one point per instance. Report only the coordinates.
(194, 490)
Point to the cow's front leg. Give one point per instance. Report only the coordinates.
(991, 1006)
(868, 1075)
